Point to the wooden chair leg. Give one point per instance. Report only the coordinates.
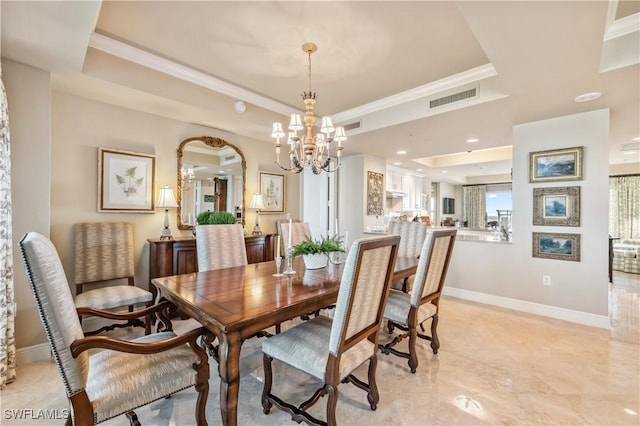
(332, 402)
(373, 396)
(133, 418)
(268, 381)
(435, 342)
(413, 357)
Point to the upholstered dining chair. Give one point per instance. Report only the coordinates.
(220, 246)
(412, 236)
(299, 232)
(409, 311)
(331, 349)
(124, 375)
(104, 254)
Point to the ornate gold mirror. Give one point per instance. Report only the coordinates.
(211, 176)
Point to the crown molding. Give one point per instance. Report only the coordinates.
(166, 66)
(475, 74)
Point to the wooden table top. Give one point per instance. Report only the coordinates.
(234, 298)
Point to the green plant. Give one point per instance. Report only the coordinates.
(324, 246)
(215, 218)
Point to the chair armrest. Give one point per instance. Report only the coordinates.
(103, 342)
(125, 315)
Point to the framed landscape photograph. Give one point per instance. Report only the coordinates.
(555, 165)
(126, 181)
(556, 206)
(272, 189)
(556, 246)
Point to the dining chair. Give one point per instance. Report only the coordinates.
(124, 375)
(331, 349)
(409, 311)
(220, 246)
(299, 232)
(104, 255)
(412, 236)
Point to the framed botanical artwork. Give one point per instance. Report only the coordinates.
(374, 193)
(272, 189)
(556, 165)
(126, 181)
(556, 246)
(556, 206)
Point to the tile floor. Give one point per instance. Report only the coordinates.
(495, 366)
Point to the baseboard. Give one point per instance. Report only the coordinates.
(593, 320)
(41, 351)
(35, 353)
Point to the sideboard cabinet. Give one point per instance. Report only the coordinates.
(179, 256)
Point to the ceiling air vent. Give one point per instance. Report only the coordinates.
(351, 126)
(456, 97)
(229, 158)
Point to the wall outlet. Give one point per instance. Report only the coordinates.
(546, 280)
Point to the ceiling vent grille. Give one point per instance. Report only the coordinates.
(351, 126)
(230, 157)
(456, 97)
(633, 146)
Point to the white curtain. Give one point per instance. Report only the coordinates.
(624, 206)
(7, 314)
(475, 206)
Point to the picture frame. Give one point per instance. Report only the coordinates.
(272, 188)
(374, 193)
(556, 165)
(556, 246)
(558, 206)
(126, 181)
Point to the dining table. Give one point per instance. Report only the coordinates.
(239, 302)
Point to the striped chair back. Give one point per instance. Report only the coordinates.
(412, 236)
(299, 232)
(220, 246)
(363, 292)
(433, 265)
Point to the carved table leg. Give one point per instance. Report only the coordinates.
(229, 368)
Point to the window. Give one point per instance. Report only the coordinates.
(499, 205)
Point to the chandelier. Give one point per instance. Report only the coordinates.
(186, 178)
(307, 149)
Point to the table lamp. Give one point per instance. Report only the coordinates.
(257, 204)
(166, 200)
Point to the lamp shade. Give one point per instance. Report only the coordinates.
(256, 202)
(166, 198)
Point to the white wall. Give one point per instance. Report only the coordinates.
(28, 94)
(509, 270)
(352, 193)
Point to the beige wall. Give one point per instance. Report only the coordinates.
(29, 97)
(78, 127)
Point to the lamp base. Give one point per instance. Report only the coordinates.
(256, 231)
(166, 234)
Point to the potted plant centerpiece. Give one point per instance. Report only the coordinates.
(216, 218)
(316, 253)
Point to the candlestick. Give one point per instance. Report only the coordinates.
(278, 246)
(346, 240)
(290, 232)
(336, 230)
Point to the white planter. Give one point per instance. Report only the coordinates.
(315, 261)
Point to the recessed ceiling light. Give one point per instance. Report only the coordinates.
(401, 152)
(636, 139)
(472, 140)
(240, 107)
(418, 170)
(221, 172)
(445, 171)
(629, 152)
(396, 163)
(586, 97)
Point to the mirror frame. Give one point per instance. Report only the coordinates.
(214, 143)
